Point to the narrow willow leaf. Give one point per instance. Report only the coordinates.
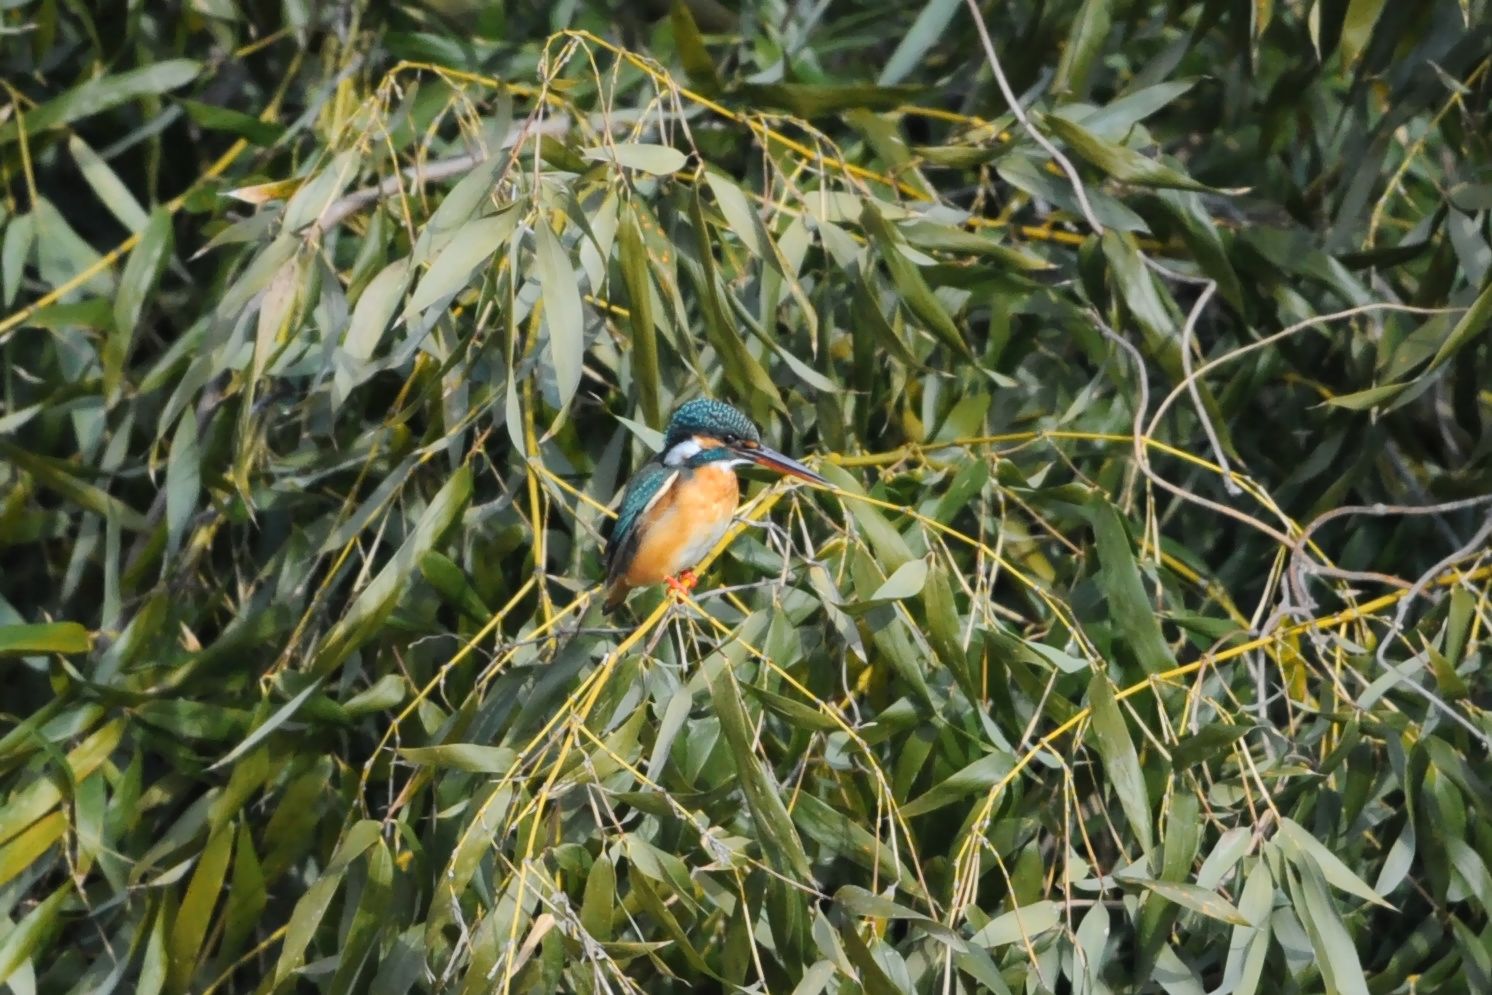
(317, 194)
(281, 715)
(375, 306)
(1026, 922)
(44, 637)
(927, 30)
(1249, 945)
(20, 853)
(762, 795)
(106, 183)
(1467, 327)
(305, 920)
(978, 776)
(1119, 578)
(812, 100)
(183, 481)
(562, 314)
(468, 247)
(740, 216)
(633, 256)
(1336, 955)
(742, 369)
(798, 714)
(216, 118)
(1187, 895)
(137, 284)
(28, 938)
(195, 912)
(154, 964)
(1230, 848)
(277, 313)
(41, 795)
(1120, 162)
(1305, 848)
(697, 61)
(61, 476)
(15, 252)
(1357, 27)
(375, 601)
(1090, 29)
(892, 551)
(904, 582)
(915, 293)
(659, 160)
(462, 756)
(598, 905)
(101, 93)
(1121, 762)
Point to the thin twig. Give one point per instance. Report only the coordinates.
(441, 169)
(1025, 120)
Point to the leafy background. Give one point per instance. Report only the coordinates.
(1138, 646)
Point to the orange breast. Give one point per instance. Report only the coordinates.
(684, 525)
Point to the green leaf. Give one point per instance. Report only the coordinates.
(1190, 896)
(375, 306)
(225, 119)
(812, 100)
(102, 93)
(1303, 848)
(29, 937)
(1090, 29)
(562, 314)
(926, 31)
(658, 160)
(462, 756)
(915, 293)
(111, 190)
(1336, 955)
(195, 913)
(1121, 762)
(1467, 328)
(633, 255)
(1123, 164)
(1023, 923)
(61, 477)
(696, 59)
(469, 246)
(763, 796)
(44, 637)
(183, 481)
(978, 776)
(137, 285)
(843, 835)
(904, 582)
(1119, 578)
(892, 551)
(373, 604)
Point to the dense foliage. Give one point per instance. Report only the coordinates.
(1140, 644)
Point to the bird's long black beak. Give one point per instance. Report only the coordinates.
(785, 465)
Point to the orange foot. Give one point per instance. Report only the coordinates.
(682, 584)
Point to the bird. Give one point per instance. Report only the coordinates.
(678, 504)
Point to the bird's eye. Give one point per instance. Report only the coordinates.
(730, 438)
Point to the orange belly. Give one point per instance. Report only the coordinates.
(684, 525)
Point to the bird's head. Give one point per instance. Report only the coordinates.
(705, 431)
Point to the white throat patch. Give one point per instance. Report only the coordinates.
(681, 452)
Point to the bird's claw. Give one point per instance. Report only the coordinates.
(683, 583)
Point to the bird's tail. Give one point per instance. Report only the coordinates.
(616, 596)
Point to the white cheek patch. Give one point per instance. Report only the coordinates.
(681, 452)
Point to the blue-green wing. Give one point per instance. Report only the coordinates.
(641, 490)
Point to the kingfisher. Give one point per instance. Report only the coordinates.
(678, 505)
